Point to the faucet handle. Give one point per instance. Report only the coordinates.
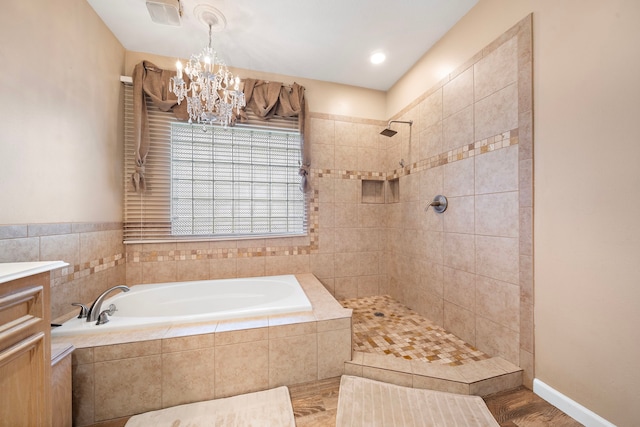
(103, 317)
(439, 204)
(83, 310)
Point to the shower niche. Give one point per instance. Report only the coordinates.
(378, 191)
(372, 191)
(393, 190)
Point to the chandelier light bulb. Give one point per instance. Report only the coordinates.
(179, 69)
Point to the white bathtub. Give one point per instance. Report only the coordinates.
(165, 304)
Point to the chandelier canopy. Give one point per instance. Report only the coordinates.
(213, 93)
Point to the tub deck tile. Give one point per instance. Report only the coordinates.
(202, 328)
(292, 318)
(240, 324)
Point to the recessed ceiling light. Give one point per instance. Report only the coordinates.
(377, 58)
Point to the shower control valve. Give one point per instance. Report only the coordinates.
(439, 204)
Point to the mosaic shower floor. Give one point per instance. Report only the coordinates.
(402, 332)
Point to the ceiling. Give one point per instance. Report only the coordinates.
(328, 40)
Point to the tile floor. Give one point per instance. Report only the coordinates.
(401, 332)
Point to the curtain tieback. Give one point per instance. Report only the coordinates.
(303, 172)
(137, 179)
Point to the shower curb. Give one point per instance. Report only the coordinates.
(479, 378)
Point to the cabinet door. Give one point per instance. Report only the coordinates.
(25, 365)
(21, 399)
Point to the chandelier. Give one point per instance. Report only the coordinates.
(213, 93)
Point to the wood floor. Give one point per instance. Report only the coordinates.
(315, 405)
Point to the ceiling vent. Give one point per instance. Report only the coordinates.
(166, 12)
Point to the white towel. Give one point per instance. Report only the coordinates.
(259, 409)
(365, 402)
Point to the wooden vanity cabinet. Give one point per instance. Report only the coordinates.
(25, 352)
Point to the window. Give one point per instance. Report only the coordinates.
(235, 182)
(221, 183)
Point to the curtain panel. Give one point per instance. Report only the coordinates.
(267, 99)
(153, 81)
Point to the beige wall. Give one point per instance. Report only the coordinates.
(480, 26)
(60, 147)
(586, 92)
(587, 253)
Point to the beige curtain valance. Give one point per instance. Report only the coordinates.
(266, 99)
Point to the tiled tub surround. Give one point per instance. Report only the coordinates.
(119, 374)
(404, 348)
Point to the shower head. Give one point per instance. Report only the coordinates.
(390, 132)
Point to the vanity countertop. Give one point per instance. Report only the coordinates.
(17, 270)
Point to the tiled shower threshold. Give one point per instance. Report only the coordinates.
(394, 344)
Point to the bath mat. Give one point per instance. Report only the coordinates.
(365, 402)
(261, 408)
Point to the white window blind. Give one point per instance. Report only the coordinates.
(223, 183)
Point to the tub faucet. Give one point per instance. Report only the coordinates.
(94, 311)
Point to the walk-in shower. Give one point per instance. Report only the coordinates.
(390, 132)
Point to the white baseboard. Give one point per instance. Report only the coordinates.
(568, 406)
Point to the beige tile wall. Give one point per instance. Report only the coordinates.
(94, 252)
(351, 219)
(474, 261)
